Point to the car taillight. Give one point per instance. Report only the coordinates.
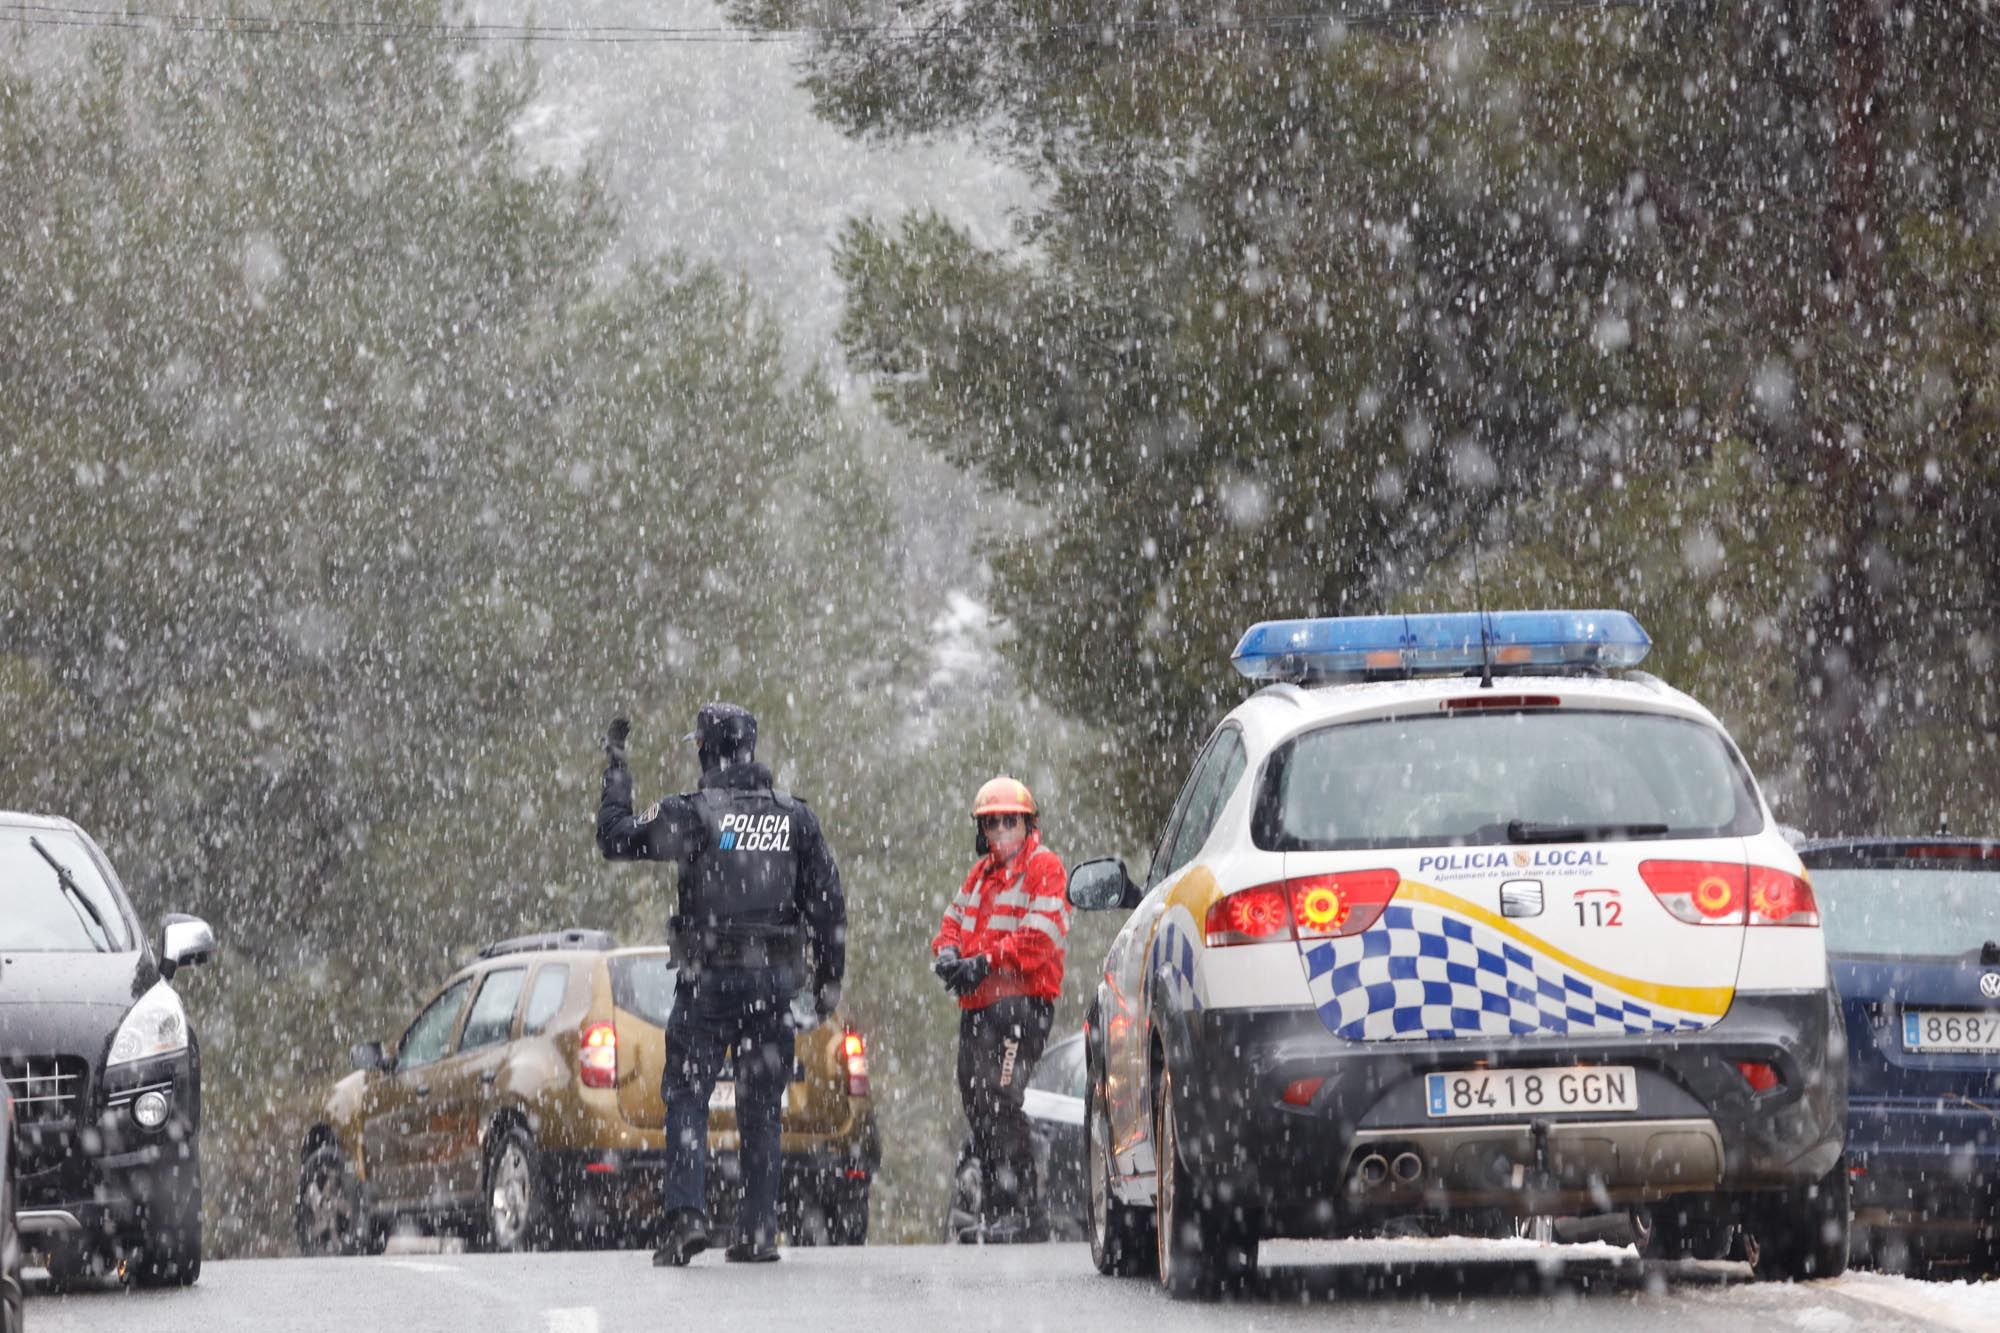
(1309, 907)
(1344, 903)
(856, 1052)
(1249, 916)
(1702, 893)
(1779, 899)
(598, 1056)
(1722, 893)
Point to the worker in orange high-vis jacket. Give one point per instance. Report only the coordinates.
(1000, 950)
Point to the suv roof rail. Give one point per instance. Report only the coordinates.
(596, 941)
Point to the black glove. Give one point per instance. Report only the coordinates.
(970, 972)
(945, 964)
(826, 999)
(614, 741)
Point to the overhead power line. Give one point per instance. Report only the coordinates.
(298, 26)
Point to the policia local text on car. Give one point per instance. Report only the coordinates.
(757, 885)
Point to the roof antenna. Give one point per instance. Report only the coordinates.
(1485, 636)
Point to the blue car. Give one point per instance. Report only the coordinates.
(1913, 937)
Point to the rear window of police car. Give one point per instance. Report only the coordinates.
(1462, 778)
(643, 984)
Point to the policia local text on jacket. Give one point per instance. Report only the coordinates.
(758, 890)
(1000, 949)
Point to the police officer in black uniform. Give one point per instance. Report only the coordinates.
(758, 891)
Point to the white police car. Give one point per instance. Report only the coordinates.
(1459, 913)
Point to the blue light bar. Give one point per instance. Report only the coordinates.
(1447, 644)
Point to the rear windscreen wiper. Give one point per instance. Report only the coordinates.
(1523, 830)
(79, 901)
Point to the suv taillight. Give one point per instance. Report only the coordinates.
(597, 1056)
(1309, 907)
(855, 1051)
(1716, 893)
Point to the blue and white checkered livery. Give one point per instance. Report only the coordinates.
(1425, 973)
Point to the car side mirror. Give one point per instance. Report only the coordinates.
(184, 940)
(1102, 886)
(369, 1057)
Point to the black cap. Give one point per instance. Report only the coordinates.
(724, 730)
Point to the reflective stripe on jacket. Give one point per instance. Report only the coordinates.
(1016, 914)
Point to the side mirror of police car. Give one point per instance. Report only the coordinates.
(184, 940)
(369, 1057)
(1102, 885)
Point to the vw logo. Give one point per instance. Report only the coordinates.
(1989, 985)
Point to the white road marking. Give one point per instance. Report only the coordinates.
(582, 1319)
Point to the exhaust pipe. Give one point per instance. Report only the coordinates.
(1374, 1169)
(1408, 1168)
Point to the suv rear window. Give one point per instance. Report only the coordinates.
(1445, 779)
(643, 984)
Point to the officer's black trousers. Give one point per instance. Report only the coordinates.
(724, 1008)
(998, 1048)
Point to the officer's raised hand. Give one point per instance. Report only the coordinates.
(615, 737)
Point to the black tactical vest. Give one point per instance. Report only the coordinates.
(739, 896)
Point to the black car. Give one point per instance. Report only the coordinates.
(1913, 933)
(100, 1060)
(10, 1235)
(1054, 1103)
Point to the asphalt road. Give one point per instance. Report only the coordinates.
(1378, 1285)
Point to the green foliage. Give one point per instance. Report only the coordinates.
(1311, 308)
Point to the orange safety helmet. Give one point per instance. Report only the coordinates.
(1004, 796)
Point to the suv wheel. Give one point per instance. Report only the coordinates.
(170, 1250)
(1200, 1248)
(1802, 1233)
(329, 1218)
(516, 1214)
(1121, 1237)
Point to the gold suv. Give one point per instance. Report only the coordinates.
(522, 1107)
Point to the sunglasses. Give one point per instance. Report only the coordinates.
(999, 821)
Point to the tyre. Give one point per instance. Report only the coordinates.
(515, 1215)
(1688, 1227)
(1201, 1248)
(1121, 1237)
(1795, 1235)
(169, 1251)
(329, 1217)
(847, 1216)
(10, 1244)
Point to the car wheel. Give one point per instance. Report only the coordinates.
(329, 1218)
(1201, 1248)
(1687, 1227)
(1121, 1237)
(1800, 1234)
(516, 1213)
(10, 1249)
(170, 1249)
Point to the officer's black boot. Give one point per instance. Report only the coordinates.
(686, 1236)
(751, 1252)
